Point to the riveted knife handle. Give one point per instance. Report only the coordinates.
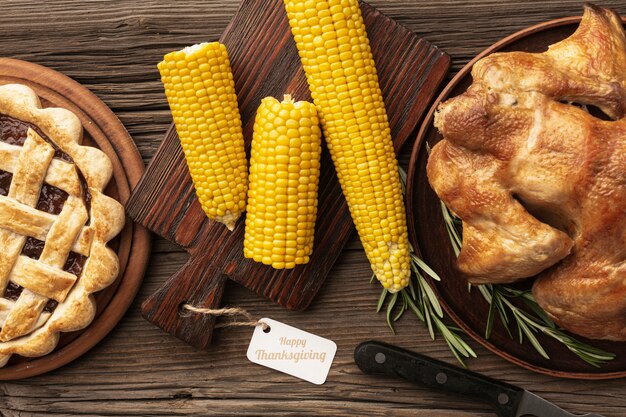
(380, 358)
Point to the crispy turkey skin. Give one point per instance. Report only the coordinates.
(539, 183)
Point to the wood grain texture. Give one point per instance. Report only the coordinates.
(112, 48)
(265, 63)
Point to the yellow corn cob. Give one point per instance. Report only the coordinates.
(201, 93)
(284, 175)
(336, 56)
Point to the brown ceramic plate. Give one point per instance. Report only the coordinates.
(103, 130)
(428, 234)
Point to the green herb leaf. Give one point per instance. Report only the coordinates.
(390, 307)
(490, 317)
(529, 321)
(381, 300)
(424, 267)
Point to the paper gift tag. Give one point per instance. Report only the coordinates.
(292, 351)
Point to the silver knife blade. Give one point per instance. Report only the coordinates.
(534, 405)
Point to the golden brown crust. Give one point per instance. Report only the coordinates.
(26, 329)
(541, 184)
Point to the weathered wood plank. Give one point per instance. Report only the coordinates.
(142, 368)
(112, 48)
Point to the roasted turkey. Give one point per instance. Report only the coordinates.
(538, 181)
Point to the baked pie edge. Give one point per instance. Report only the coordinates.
(106, 215)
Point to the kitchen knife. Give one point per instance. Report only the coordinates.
(509, 401)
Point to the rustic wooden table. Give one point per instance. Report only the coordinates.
(112, 47)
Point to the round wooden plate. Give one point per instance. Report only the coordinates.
(103, 130)
(428, 234)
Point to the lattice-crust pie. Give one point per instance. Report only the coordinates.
(55, 222)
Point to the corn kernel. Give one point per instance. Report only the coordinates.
(284, 174)
(341, 73)
(201, 93)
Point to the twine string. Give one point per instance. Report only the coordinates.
(229, 312)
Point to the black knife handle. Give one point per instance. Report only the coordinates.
(380, 358)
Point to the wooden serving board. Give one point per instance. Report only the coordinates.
(102, 129)
(265, 62)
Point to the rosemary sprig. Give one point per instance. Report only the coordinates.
(530, 320)
(420, 298)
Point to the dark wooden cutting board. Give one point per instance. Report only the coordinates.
(265, 62)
